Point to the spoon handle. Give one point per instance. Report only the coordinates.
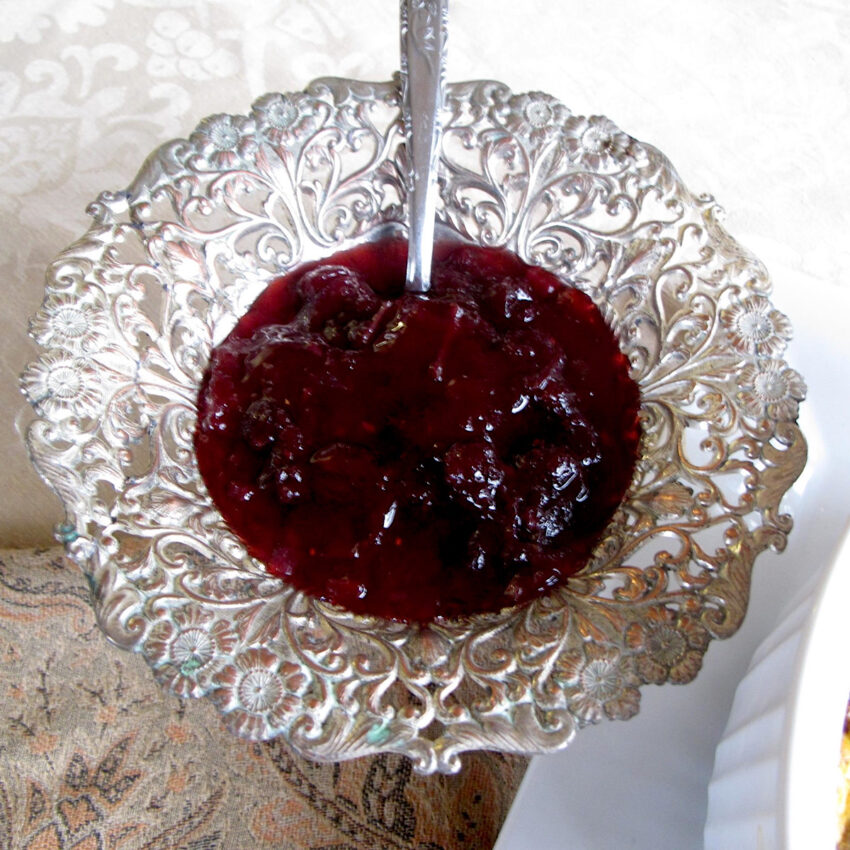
(423, 62)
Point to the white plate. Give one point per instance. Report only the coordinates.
(776, 770)
(644, 784)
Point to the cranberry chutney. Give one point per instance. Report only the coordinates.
(415, 456)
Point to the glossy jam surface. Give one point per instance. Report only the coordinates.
(419, 456)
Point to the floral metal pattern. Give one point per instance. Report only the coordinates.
(134, 307)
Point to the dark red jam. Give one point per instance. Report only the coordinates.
(419, 456)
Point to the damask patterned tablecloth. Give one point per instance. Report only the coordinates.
(89, 87)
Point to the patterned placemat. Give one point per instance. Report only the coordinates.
(94, 755)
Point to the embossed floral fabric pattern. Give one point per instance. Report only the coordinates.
(89, 87)
(94, 755)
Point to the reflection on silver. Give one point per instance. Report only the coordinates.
(169, 265)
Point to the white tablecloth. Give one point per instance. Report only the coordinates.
(750, 101)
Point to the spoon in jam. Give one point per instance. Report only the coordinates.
(424, 29)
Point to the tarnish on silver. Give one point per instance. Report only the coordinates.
(424, 29)
(133, 309)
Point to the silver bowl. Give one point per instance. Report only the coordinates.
(134, 307)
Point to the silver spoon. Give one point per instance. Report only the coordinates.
(424, 28)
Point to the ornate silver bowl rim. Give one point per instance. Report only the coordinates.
(134, 307)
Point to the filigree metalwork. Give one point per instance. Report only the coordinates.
(134, 307)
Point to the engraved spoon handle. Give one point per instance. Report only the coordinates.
(423, 61)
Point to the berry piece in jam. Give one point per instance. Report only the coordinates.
(419, 456)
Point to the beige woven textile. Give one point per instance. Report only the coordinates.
(95, 756)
